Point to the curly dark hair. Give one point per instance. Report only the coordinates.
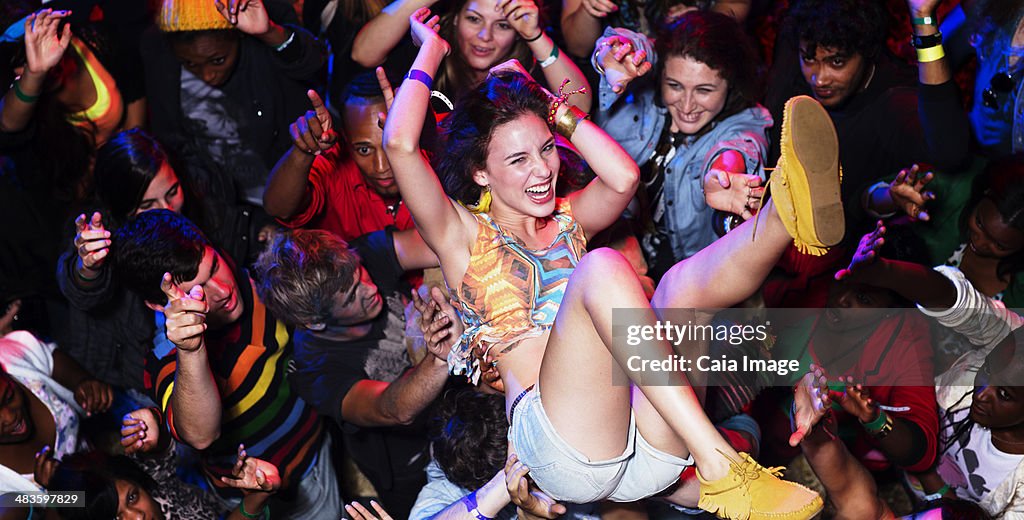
(1002, 182)
(468, 435)
(502, 98)
(717, 41)
(153, 243)
(849, 26)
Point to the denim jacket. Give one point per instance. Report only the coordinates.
(636, 121)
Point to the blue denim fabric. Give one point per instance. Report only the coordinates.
(567, 475)
(636, 121)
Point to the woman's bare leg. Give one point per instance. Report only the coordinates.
(582, 358)
(729, 270)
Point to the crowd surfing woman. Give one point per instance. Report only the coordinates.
(483, 33)
(524, 245)
(693, 128)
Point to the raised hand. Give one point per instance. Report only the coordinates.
(599, 8)
(253, 475)
(45, 466)
(811, 401)
(94, 396)
(313, 132)
(907, 192)
(44, 45)
(922, 8)
(359, 512)
(527, 496)
(389, 95)
(92, 242)
(737, 193)
(522, 16)
(185, 315)
(622, 63)
(866, 254)
(857, 401)
(249, 16)
(440, 323)
(140, 431)
(424, 29)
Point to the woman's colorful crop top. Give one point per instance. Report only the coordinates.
(510, 292)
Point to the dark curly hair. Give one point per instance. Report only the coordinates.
(717, 41)
(849, 26)
(1002, 182)
(153, 243)
(502, 98)
(468, 435)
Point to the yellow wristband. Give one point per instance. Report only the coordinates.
(930, 54)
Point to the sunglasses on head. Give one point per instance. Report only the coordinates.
(1002, 83)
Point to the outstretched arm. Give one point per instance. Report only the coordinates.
(384, 32)
(440, 222)
(848, 484)
(194, 407)
(522, 15)
(915, 282)
(44, 48)
(287, 191)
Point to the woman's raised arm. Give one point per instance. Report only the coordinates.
(437, 217)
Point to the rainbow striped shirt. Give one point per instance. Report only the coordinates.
(250, 361)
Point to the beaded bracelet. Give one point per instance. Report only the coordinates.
(561, 99)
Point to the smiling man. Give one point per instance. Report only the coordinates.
(346, 188)
(835, 51)
(351, 360)
(219, 364)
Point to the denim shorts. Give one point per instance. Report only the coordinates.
(567, 475)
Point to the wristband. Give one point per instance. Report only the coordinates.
(471, 507)
(930, 54)
(567, 123)
(927, 20)
(264, 511)
(876, 424)
(938, 494)
(535, 38)
(550, 59)
(926, 42)
(84, 278)
(422, 77)
(286, 43)
(20, 94)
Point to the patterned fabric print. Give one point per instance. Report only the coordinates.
(510, 293)
(390, 359)
(64, 417)
(249, 365)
